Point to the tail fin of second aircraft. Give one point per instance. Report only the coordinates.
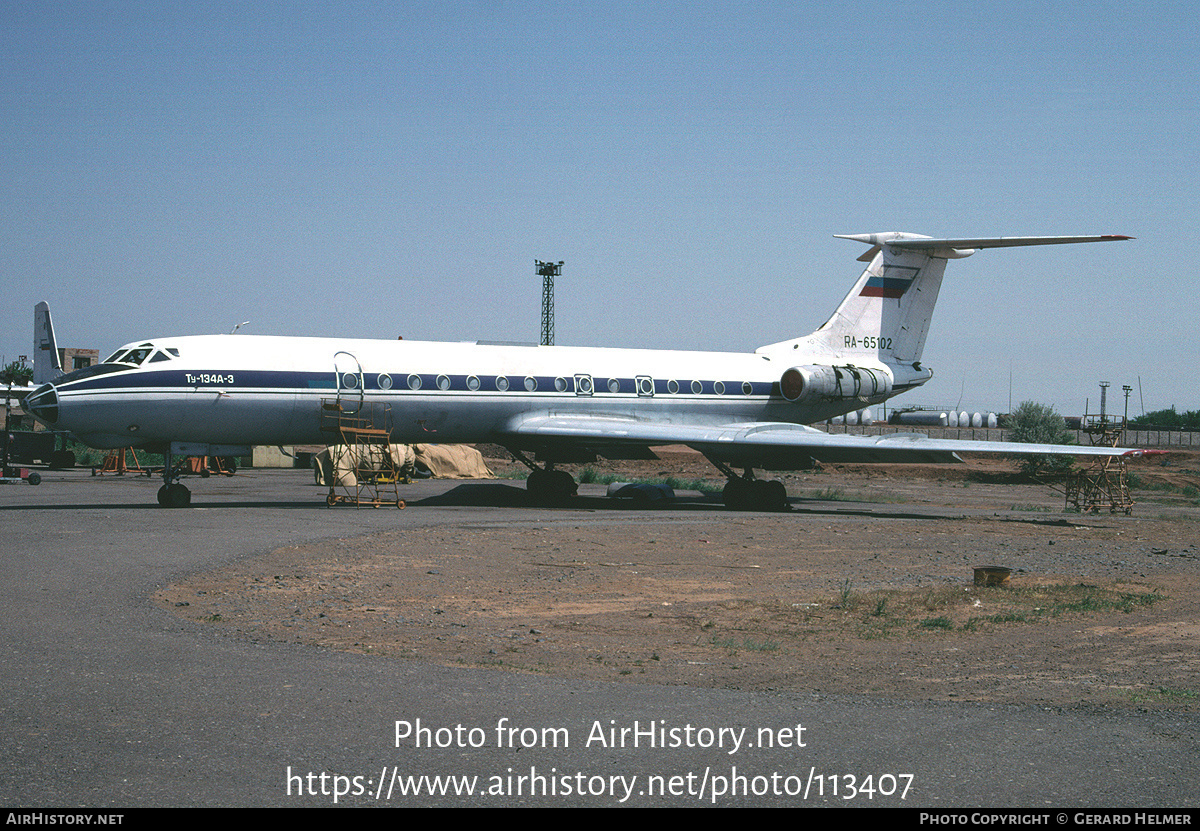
(887, 313)
(46, 365)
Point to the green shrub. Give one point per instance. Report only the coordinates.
(1033, 423)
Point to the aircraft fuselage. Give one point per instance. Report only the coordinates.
(241, 389)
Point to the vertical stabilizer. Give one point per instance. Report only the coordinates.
(886, 315)
(888, 311)
(46, 365)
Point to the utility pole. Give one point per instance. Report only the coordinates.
(548, 272)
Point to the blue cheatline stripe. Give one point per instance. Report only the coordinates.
(281, 381)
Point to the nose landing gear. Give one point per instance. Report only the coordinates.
(172, 494)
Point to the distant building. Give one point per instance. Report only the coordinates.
(73, 359)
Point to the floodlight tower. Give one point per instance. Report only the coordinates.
(548, 272)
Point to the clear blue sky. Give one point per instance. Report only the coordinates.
(383, 169)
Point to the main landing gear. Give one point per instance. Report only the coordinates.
(742, 493)
(548, 486)
(745, 493)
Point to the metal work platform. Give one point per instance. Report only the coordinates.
(1104, 483)
(364, 435)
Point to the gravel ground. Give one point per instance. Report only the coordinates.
(866, 586)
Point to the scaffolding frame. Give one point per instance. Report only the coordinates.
(1105, 482)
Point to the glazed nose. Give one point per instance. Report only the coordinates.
(42, 403)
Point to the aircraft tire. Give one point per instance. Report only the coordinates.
(34, 478)
(537, 485)
(737, 495)
(563, 485)
(174, 496)
(755, 495)
(551, 486)
(771, 495)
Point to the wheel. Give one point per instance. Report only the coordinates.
(736, 494)
(550, 486)
(562, 484)
(755, 495)
(174, 496)
(331, 500)
(34, 478)
(538, 484)
(770, 495)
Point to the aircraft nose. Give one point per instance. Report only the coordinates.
(42, 403)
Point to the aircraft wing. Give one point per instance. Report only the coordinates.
(766, 445)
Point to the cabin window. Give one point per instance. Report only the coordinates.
(414, 382)
(673, 386)
(719, 387)
(530, 383)
(560, 384)
(614, 386)
(697, 388)
(472, 383)
(350, 381)
(501, 383)
(384, 381)
(645, 385)
(747, 388)
(159, 356)
(443, 383)
(583, 385)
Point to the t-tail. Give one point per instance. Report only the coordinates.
(870, 349)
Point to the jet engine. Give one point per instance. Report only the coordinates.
(835, 383)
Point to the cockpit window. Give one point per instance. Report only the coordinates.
(131, 356)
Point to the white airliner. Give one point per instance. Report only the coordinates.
(220, 394)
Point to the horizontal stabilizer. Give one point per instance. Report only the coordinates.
(915, 242)
(1002, 242)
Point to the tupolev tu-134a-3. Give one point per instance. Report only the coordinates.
(220, 394)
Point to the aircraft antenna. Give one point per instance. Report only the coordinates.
(548, 272)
